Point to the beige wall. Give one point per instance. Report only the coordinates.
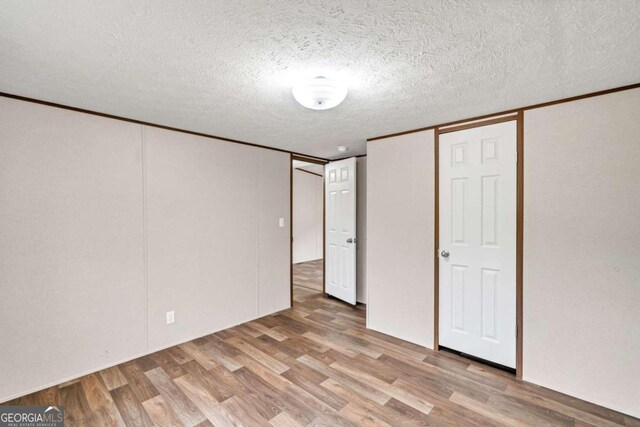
(582, 249)
(88, 204)
(205, 232)
(307, 216)
(581, 246)
(400, 215)
(71, 233)
(274, 258)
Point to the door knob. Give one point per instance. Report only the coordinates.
(444, 254)
(350, 240)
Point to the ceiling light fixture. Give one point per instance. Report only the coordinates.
(342, 149)
(319, 93)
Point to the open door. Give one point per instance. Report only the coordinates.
(340, 239)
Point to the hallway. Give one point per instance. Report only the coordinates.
(307, 277)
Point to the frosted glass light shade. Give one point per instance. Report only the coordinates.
(319, 93)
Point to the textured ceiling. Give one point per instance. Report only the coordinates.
(226, 67)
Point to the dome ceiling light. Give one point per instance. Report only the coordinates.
(319, 93)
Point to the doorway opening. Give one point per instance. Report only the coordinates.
(307, 229)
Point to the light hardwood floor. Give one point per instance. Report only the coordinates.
(315, 364)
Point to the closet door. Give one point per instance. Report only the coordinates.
(477, 255)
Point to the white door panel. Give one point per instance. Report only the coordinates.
(478, 195)
(340, 263)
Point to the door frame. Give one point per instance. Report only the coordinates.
(324, 231)
(518, 116)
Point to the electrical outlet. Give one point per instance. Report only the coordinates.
(171, 317)
(281, 222)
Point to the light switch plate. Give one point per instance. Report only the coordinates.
(281, 222)
(171, 317)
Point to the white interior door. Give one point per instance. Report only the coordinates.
(477, 254)
(340, 241)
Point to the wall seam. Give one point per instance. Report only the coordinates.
(258, 233)
(145, 237)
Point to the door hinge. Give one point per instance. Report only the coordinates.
(516, 331)
(516, 156)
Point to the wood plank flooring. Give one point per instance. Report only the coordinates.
(309, 274)
(317, 365)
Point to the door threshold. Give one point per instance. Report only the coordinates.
(479, 360)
